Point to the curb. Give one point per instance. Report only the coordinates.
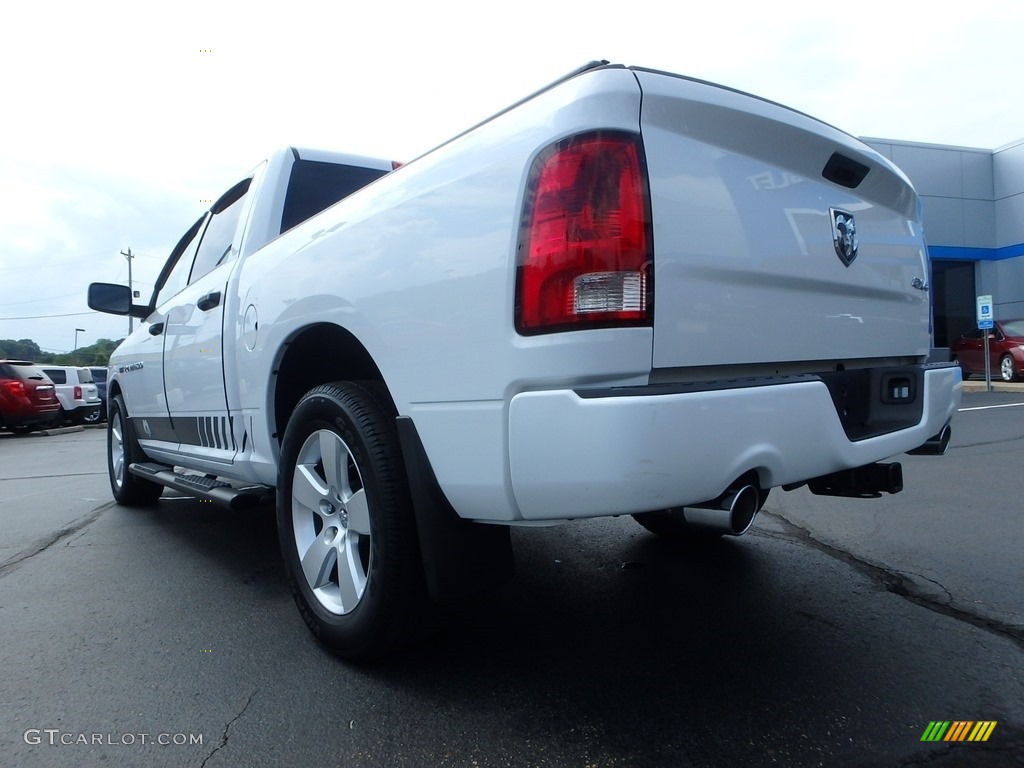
(997, 386)
(56, 431)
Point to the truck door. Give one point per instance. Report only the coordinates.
(193, 334)
(140, 369)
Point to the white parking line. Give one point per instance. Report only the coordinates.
(987, 407)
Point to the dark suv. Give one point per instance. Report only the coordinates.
(99, 378)
(28, 398)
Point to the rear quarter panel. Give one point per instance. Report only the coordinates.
(420, 267)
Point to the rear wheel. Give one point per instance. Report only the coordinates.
(1006, 368)
(346, 525)
(122, 450)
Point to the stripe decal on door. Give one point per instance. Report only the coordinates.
(206, 431)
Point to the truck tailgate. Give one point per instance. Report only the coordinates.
(748, 200)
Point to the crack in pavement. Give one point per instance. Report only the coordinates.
(902, 583)
(227, 729)
(41, 545)
(50, 477)
(1001, 441)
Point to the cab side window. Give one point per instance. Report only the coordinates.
(175, 273)
(217, 246)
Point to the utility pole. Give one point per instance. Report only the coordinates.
(74, 353)
(131, 292)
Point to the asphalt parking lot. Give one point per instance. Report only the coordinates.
(833, 634)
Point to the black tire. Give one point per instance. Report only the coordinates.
(91, 416)
(354, 511)
(1007, 369)
(122, 451)
(23, 429)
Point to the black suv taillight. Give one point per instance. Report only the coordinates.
(585, 253)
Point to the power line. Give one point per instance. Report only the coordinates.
(47, 317)
(74, 260)
(36, 301)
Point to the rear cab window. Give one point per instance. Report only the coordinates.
(315, 186)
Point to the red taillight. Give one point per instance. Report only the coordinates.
(584, 256)
(16, 388)
(78, 393)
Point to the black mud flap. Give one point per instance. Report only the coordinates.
(461, 558)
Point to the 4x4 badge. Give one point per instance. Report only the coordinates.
(844, 235)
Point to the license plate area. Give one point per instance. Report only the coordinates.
(876, 401)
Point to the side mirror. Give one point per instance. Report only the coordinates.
(110, 298)
(114, 300)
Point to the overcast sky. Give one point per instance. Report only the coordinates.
(121, 121)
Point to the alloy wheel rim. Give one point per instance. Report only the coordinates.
(117, 448)
(331, 522)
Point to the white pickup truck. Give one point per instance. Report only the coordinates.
(631, 293)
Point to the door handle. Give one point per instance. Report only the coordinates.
(209, 301)
(156, 329)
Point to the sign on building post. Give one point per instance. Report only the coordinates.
(985, 322)
(985, 317)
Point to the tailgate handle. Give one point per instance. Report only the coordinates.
(209, 301)
(844, 171)
(156, 329)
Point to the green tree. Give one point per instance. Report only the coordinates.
(23, 349)
(26, 349)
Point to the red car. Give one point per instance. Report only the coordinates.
(1005, 350)
(28, 398)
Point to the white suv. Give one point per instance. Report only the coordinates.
(79, 398)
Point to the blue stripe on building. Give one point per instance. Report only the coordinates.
(964, 253)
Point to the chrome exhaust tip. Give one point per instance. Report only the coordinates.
(732, 513)
(934, 446)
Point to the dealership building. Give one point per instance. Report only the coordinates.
(973, 201)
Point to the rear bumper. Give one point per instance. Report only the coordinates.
(573, 455)
(29, 418)
(81, 409)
